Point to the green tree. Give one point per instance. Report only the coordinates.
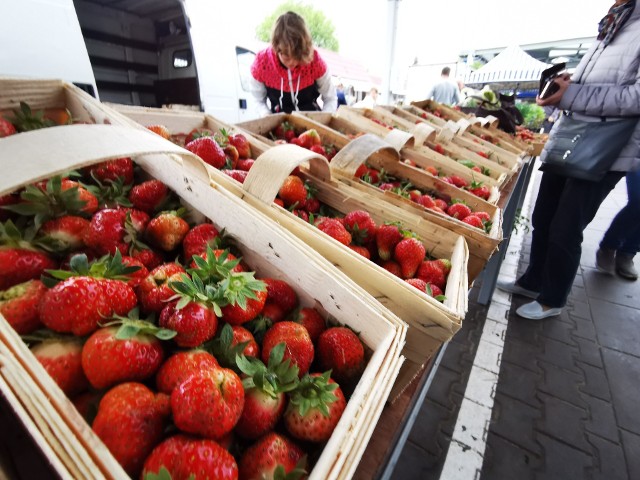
(321, 28)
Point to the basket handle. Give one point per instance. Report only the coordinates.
(356, 152)
(399, 139)
(270, 170)
(463, 125)
(32, 156)
(423, 132)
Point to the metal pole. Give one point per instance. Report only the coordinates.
(392, 26)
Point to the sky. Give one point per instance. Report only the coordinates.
(435, 31)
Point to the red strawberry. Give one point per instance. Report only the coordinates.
(131, 352)
(441, 204)
(293, 191)
(198, 239)
(432, 170)
(273, 312)
(61, 358)
(242, 145)
(65, 233)
(138, 276)
(387, 237)
(131, 420)
(238, 175)
(219, 258)
(438, 148)
(418, 283)
(167, 230)
(409, 253)
(341, 351)
(7, 200)
(154, 290)
(361, 226)
(185, 457)
(243, 336)
(309, 138)
(426, 201)
(314, 409)
(19, 305)
(459, 211)
(195, 323)
(208, 150)
(299, 347)
(6, 128)
(271, 453)
(150, 259)
(149, 196)
(231, 154)
(474, 221)
(393, 267)
(445, 263)
(282, 294)
(112, 170)
(160, 130)
(361, 171)
(245, 164)
(197, 133)
(312, 205)
(209, 403)
(310, 319)
(434, 291)
(264, 401)
(360, 250)
(178, 367)
(319, 149)
(241, 310)
(115, 229)
(484, 216)
(335, 229)
(432, 271)
(476, 168)
(459, 181)
(481, 191)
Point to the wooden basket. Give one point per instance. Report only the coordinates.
(268, 248)
(446, 112)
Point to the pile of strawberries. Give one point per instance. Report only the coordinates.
(24, 119)
(310, 139)
(182, 360)
(524, 134)
(390, 245)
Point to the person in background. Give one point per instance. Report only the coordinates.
(446, 90)
(342, 100)
(621, 241)
(370, 101)
(290, 75)
(608, 88)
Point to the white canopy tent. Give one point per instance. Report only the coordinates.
(511, 66)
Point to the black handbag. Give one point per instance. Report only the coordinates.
(586, 150)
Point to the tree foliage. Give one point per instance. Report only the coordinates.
(321, 28)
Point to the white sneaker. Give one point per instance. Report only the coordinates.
(534, 311)
(513, 287)
(605, 261)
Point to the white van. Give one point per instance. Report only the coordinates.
(134, 52)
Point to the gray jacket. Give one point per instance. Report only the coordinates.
(608, 85)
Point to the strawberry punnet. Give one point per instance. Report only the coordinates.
(183, 457)
(273, 456)
(131, 420)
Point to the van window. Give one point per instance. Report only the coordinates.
(182, 58)
(245, 59)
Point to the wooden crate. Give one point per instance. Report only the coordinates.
(446, 112)
(267, 247)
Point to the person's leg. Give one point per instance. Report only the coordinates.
(551, 187)
(631, 243)
(576, 208)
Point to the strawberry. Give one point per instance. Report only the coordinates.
(86, 295)
(139, 275)
(435, 292)
(194, 316)
(178, 367)
(64, 234)
(154, 290)
(208, 403)
(312, 321)
(273, 456)
(459, 181)
(441, 204)
(6, 128)
(241, 143)
(115, 229)
(131, 352)
(273, 312)
(238, 175)
(432, 170)
(208, 150)
(414, 194)
(314, 409)
(282, 294)
(242, 336)
(25, 119)
(335, 229)
(480, 190)
(216, 264)
(61, 357)
(160, 130)
(432, 271)
(293, 191)
(245, 298)
(284, 131)
(231, 157)
(319, 149)
(427, 201)
(360, 250)
(299, 347)
(198, 239)
(361, 226)
(198, 133)
(184, 457)
(387, 237)
(341, 351)
(230, 342)
(445, 263)
(459, 211)
(484, 216)
(409, 253)
(474, 221)
(112, 170)
(5, 201)
(245, 164)
(19, 305)
(438, 148)
(131, 420)
(149, 196)
(167, 230)
(361, 171)
(393, 267)
(265, 386)
(418, 283)
(309, 138)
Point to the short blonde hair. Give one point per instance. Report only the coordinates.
(291, 37)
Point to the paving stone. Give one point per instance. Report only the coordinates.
(560, 354)
(579, 309)
(631, 444)
(457, 357)
(596, 382)
(563, 421)
(612, 289)
(514, 420)
(610, 462)
(561, 384)
(559, 328)
(578, 294)
(524, 330)
(522, 353)
(584, 328)
(519, 383)
(618, 327)
(445, 383)
(504, 460)
(623, 372)
(589, 352)
(416, 464)
(433, 427)
(601, 420)
(562, 462)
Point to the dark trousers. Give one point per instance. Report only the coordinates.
(564, 208)
(624, 233)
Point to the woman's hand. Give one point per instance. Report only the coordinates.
(563, 82)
